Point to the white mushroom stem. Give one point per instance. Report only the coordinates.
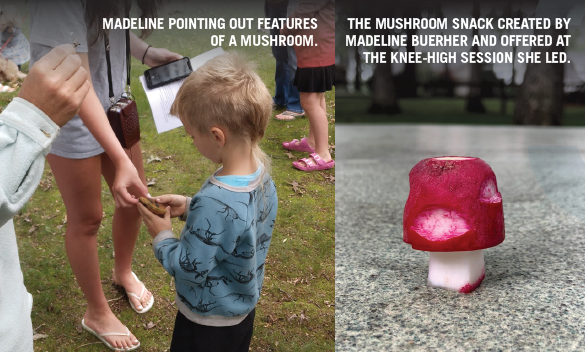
(456, 271)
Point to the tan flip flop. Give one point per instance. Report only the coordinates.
(138, 297)
(288, 116)
(101, 337)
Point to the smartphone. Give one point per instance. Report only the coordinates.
(169, 72)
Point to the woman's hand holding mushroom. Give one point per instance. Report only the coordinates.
(128, 186)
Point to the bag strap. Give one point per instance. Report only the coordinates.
(107, 44)
(109, 64)
(128, 60)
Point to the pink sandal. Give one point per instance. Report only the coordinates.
(314, 163)
(303, 145)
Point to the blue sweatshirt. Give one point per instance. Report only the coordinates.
(218, 263)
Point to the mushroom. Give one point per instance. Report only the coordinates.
(454, 211)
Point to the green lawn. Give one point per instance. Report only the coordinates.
(352, 109)
(300, 273)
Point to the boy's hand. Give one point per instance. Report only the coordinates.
(153, 222)
(177, 203)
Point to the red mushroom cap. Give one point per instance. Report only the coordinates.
(454, 205)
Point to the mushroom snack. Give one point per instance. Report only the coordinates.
(153, 206)
(454, 211)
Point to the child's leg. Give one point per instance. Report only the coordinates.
(318, 125)
(311, 138)
(193, 337)
(125, 227)
(183, 334)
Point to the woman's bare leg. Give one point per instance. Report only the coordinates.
(125, 227)
(318, 124)
(79, 182)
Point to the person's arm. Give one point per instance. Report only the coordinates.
(308, 8)
(50, 96)
(127, 179)
(154, 56)
(23, 146)
(62, 22)
(305, 9)
(208, 239)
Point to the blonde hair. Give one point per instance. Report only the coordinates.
(226, 91)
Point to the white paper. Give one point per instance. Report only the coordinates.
(161, 98)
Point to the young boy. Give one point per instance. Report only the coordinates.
(218, 263)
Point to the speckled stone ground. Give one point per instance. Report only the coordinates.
(533, 296)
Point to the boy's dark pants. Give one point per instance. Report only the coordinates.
(193, 337)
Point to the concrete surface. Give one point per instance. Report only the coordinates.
(533, 296)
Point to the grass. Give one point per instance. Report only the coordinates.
(352, 109)
(300, 265)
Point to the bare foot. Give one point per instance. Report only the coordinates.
(130, 284)
(108, 323)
